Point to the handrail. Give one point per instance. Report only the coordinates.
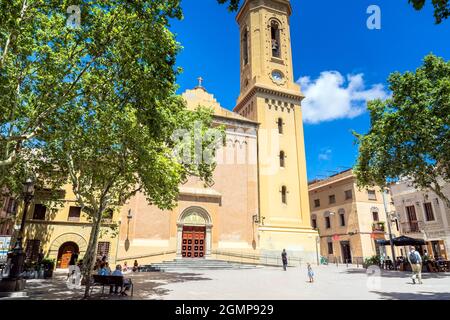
(260, 258)
(163, 253)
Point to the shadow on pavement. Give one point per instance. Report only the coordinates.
(401, 274)
(413, 295)
(146, 286)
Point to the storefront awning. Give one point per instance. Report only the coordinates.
(402, 241)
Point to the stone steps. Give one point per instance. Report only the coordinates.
(194, 264)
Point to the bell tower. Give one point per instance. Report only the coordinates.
(270, 96)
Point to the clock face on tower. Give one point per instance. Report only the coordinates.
(277, 76)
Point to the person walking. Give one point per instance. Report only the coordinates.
(310, 273)
(284, 259)
(72, 264)
(415, 260)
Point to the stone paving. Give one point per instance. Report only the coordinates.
(263, 283)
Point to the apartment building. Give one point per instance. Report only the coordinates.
(348, 219)
(423, 215)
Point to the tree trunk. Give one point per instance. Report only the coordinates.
(89, 258)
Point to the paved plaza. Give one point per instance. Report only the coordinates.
(262, 283)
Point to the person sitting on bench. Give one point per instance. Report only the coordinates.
(126, 282)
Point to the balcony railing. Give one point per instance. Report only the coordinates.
(411, 227)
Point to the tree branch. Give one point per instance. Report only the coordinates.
(8, 39)
(438, 190)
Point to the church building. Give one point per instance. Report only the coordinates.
(258, 204)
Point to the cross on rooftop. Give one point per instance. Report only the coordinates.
(200, 82)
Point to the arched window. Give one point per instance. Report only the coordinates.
(275, 36)
(327, 219)
(282, 157)
(280, 126)
(284, 194)
(245, 47)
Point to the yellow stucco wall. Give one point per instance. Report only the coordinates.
(357, 212)
(56, 229)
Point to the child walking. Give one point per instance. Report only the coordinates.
(310, 273)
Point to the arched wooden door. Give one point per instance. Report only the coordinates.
(65, 254)
(193, 242)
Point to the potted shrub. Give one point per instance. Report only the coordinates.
(374, 260)
(49, 266)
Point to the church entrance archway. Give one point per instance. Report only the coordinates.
(194, 234)
(65, 253)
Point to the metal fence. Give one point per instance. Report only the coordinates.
(338, 260)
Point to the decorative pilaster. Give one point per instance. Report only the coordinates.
(179, 241)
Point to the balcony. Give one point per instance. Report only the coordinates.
(411, 227)
(379, 227)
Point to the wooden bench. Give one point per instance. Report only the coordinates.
(109, 281)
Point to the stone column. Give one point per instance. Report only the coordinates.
(179, 241)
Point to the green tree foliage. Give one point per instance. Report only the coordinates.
(233, 5)
(95, 105)
(441, 8)
(44, 62)
(409, 136)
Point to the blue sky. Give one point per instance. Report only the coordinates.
(330, 40)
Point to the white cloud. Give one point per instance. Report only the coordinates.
(325, 154)
(331, 96)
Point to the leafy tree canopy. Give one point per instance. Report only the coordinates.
(409, 136)
(44, 62)
(441, 7)
(94, 105)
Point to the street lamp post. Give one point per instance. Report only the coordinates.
(18, 256)
(129, 217)
(127, 240)
(14, 280)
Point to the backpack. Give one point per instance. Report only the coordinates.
(413, 257)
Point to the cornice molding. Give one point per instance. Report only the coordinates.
(271, 91)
